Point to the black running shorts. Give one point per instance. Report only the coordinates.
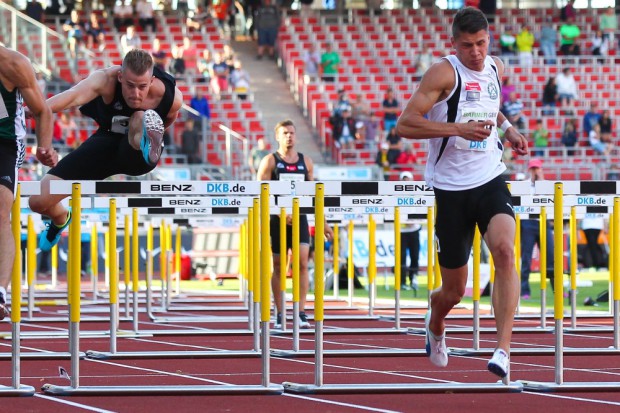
(102, 155)
(11, 158)
(458, 212)
(274, 231)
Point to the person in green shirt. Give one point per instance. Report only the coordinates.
(569, 34)
(329, 64)
(541, 138)
(608, 23)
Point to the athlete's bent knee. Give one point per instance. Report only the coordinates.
(504, 256)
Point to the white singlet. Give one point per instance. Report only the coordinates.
(455, 163)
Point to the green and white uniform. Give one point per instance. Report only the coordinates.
(12, 133)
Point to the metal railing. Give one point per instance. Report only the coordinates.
(39, 37)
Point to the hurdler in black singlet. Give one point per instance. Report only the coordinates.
(108, 152)
(114, 116)
(285, 171)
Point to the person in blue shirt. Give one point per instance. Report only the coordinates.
(591, 118)
(201, 105)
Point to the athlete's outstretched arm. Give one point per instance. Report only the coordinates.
(83, 92)
(436, 84)
(174, 109)
(25, 81)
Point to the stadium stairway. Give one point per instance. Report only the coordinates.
(272, 95)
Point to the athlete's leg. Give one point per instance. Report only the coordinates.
(7, 242)
(275, 283)
(499, 237)
(443, 299)
(304, 284)
(48, 204)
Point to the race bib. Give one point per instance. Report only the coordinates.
(293, 179)
(464, 144)
(120, 124)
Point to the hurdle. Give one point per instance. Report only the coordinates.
(265, 388)
(16, 389)
(559, 384)
(320, 388)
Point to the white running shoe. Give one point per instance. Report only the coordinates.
(435, 346)
(499, 363)
(152, 142)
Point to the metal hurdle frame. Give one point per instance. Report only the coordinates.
(559, 385)
(16, 389)
(320, 388)
(75, 389)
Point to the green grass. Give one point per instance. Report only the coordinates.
(591, 284)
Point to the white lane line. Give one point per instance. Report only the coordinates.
(581, 399)
(355, 406)
(73, 404)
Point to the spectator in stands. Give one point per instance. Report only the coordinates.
(395, 143)
(219, 82)
(540, 136)
(507, 44)
(569, 36)
(75, 32)
(360, 111)
(606, 126)
(599, 46)
(330, 61)
(530, 236)
(513, 110)
(287, 163)
(340, 106)
(219, 11)
(42, 83)
(594, 138)
(424, 60)
(146, 16)
(591, 118)
(608, 23)
(160, 57)
(548, 40)
(344, 130)
(507, 88)
(524, 43)
(95, 35)
(200, 104)
(568, 11)
(240, 81)
(567, 89)
(407, 157)
(123, 14)
(267, 26)
(409, 245)
(68, 130)
(196, 18)
(205, 66)
(391, 109)
(549, 97)
(130, 40)
(190, 142)
(190, 54)
(312, 62)
(382, 160)
(34, 10)
(569, 135)
(256, 155)
(176, 67)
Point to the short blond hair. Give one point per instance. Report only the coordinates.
(283, 124)
(138, 61)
